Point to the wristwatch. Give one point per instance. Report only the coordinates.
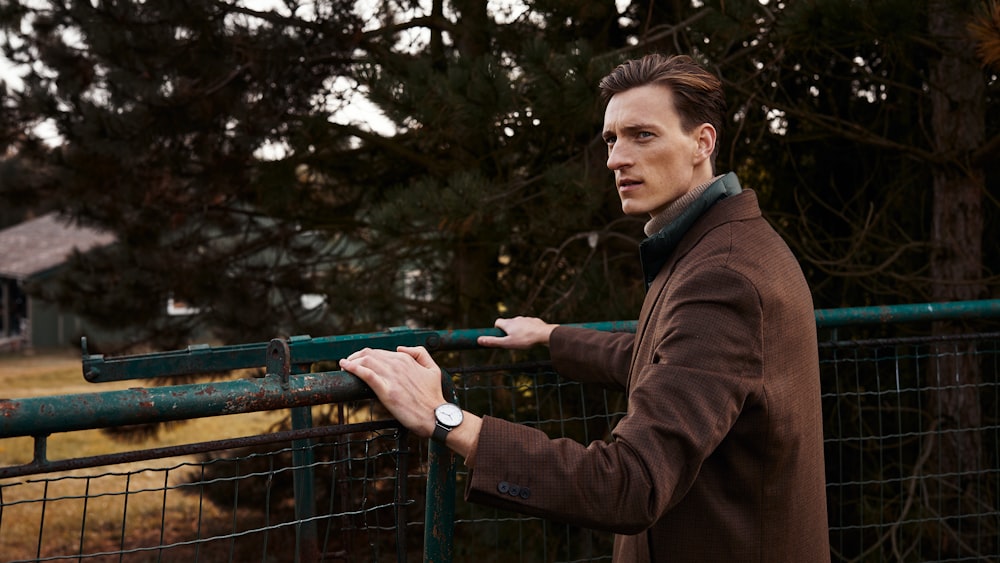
(446, 417)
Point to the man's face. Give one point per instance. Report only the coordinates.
(654, 160)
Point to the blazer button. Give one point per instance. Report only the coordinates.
(525, 493)
(503, 487)
(514, 491)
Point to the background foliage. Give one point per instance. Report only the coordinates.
(209, 137)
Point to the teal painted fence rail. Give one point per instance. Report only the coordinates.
(206, 359)
(290, 382)
(35, 416)
(885, 314)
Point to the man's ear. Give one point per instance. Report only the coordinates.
(705, 137)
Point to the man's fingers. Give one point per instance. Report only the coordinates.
(363, 372)
(357, 366)
(419, 354)
(491, 341)
(359, 354)
(386, 363)
(495, 341)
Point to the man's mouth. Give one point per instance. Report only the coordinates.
(626, 183)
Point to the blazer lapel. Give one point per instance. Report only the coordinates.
(740, 207)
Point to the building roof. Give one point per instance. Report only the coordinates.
(40, 244)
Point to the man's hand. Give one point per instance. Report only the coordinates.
(408, 383)
(522, 333)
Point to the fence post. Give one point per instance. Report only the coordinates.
(439, 517)
(279, 363)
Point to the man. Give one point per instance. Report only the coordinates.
(720, 455)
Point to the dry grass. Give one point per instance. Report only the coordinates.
(89, 515)
(61, 373)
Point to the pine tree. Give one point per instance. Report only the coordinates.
(163, 111)
(490, 194)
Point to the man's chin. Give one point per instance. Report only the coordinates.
(636, 211)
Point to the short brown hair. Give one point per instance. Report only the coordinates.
(698, 96)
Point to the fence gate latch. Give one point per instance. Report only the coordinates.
(279, 361)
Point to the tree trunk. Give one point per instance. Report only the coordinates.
(958, 98)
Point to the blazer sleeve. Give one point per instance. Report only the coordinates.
(592, 356)
(683, 400)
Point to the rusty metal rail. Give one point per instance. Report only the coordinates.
(40, 416)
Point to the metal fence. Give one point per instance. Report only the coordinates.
(913, 447)
(911, 430)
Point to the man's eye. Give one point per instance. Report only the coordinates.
(610, 140)
(643, 134)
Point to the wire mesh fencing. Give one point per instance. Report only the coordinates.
(231, 500)
(912, 448)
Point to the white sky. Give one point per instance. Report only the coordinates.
(8, 75)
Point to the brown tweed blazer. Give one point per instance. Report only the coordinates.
(720, 454)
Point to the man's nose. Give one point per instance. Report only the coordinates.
(618, 157)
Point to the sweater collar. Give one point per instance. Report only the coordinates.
(666, 229)
(665, 217)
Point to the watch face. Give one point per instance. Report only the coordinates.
(449, 415)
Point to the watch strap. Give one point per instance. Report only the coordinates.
(440, 433)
